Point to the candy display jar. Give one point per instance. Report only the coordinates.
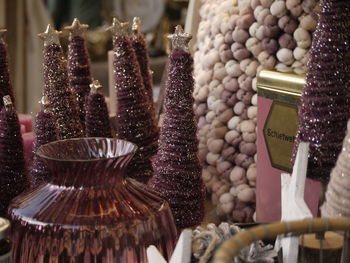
(89, 211)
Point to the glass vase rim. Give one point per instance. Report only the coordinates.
(44, 156)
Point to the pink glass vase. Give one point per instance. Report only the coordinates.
(89, 212)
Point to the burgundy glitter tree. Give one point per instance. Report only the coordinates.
(97, 118)
(325, 99)
(139, 44)
(56, 87)
(13, 179)
(177, 171)
(135, 122)
(79, 65)
(45, 132)
(5, 81)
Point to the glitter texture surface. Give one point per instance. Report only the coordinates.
(79, 66)
(135, 122)
(13, 178)
(325, 98)
(45, 132)
(5, 82)
(140, 47)
(337, 202)
(177, 171)
(97, 119)
(56, 88)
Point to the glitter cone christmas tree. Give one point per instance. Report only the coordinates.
(139, 44)
(79, 65)
(337, 202)
(13, 179)
(325, 98)
(177, 172)
(97, 119)
(5, 82)
(56, 87)
(135, 122)
(45, 132)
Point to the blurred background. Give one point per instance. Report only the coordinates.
(24, 19)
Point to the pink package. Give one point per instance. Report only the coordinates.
(23, 129)
(26, 120)
(278, 97)
(28, 141)
(268, 189)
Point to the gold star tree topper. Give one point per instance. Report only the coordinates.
(76, 29)
(50, 36)
(2, 35)
(118, 28)
(8, 102)
(136, 26)
(180, 39)
(95, 86)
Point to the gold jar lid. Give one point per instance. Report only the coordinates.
(285, 87)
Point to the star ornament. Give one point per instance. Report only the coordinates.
(50, 36)
(136, 26)
(294, 206)
(45, 103)
(8, 102)
(2, 35)
(118, 28)
(95, 86)
(180, 39)
(76, 29)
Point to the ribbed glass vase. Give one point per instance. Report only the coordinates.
(89, 212)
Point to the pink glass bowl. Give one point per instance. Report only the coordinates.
(89, 212)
